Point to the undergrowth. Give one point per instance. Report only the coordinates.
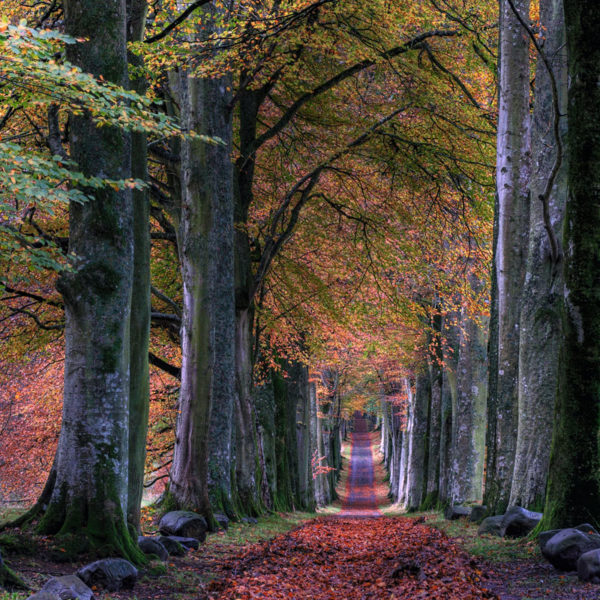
(491, 548)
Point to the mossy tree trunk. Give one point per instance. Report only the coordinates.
(541, 306)
(205, 242)
(573, 493)
(434, 367)
(450, 333)
(90, 492)
(139, 329)
(246, 432)
(416, 469)
(512, 178)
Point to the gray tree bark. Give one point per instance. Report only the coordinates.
(416, 465)
(139, 328)
(469, 413)
(205, 242)
(541, 307)
(573, 483)
(449, 399)
(512, 177)
(90, 492)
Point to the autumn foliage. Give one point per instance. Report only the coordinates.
(355, 558)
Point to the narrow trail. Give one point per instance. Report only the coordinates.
(360, 498)
(356, 554)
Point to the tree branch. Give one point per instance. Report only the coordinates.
(164, 366)
(544, 197)
(180, 19)
(412, 44)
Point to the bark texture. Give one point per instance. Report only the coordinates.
(469, 413)
(541, 307)
(512, 177)
(205, 242)
(139, 327)
(573, 485)
(90, 492)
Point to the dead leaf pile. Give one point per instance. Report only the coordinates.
(349, 559)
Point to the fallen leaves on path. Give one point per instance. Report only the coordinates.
(336, 558)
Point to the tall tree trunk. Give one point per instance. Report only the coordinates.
(416, 464)
(512, 176)
(434, 366)
(469, 413)
(246, 440)
(139, 329)
(451, 334)
(246, 466)
(541, 307)
(90, 492)
(573, 492)
(205, 241)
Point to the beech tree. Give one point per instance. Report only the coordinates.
(542, 299)
(205, 242)
(512, 176)
(573, 492)
(90, 488)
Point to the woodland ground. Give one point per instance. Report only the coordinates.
(327, 556)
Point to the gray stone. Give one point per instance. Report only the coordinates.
(153, 545)
(544, 536)
(588, 566)
(452, 513)
(491, 526)
(478, 513)
(222, 520)
(519, 522)
(43, 596)
(112, 574)
(249, 520)
(189, 543)
(67, 587)
(564, 548)
(173, 547)
(183, 523)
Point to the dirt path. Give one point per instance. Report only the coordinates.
(353, 555)
(360, 499)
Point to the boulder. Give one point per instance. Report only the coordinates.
(44, 596)
(222, 520)
(183, 523)
(544, 536)
(249, 520)
(491, 526)
(67, 587)
(478, 513)
(588, 566)
(452, 513)
(152, 545)
(519, 522)
(172, 546)
(112, 574)
(189, 543)
(564, 548)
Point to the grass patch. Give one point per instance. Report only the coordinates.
(241, 534)
(8, 514)
(489, 547)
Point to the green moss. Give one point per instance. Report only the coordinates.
(158, 568)
(10, 580)
(430, 502)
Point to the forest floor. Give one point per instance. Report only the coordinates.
(357, 548)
